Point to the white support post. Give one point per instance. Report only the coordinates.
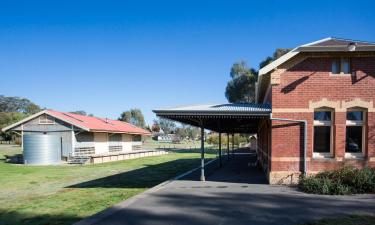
(22, 138)
(73, 142)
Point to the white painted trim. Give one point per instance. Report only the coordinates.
(268, 92)
(23, 121)
(324, 123)
(256, 92)
(317, 42)
(273, 65)
(352, 155)
(277, 62)
(357, 123)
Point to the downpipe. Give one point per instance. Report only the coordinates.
(304, 138)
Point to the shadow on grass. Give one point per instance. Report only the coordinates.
(14, 159)
(206, 151)
(145, 177)
(16, 218)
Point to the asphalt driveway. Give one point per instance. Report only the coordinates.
(235, 194)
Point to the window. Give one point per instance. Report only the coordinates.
(335, 66)
(345, 65)
(354, 133)
(322, 133)
(46, 119)
(137, 138)
(354, 116)
(340, 66)
(322, 116)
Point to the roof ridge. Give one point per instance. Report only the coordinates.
(352, 40)
(315, 42)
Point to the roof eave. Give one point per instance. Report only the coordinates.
(7, 128)
(120, 132)
(210, 113)
(359, 48)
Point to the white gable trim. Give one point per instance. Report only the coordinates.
(317, 42)
(39, 114)
(273, 65)
(278, 62)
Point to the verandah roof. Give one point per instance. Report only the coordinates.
(225, 118)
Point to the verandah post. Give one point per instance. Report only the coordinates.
(202, 154)
(233, 144)
(227, 146)
(220, 149)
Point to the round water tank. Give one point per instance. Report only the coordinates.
(41, 149)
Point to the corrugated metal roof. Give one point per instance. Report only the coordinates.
(88, 123)
(332, 41)
(97, 124)
(227, 108)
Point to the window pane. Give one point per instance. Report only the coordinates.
(354, 115)
(322, 115)
(137, 138)
(345, 65)
(322, 139)
(335, 66)
(354, 139)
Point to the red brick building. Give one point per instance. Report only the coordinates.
(314, 110)
(330, 85)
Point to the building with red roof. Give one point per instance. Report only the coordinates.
(79, 136)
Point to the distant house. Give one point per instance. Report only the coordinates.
(79, 135)
(167, 138)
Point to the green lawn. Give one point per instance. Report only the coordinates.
(348, 220)
(151, 144)
(65, 194)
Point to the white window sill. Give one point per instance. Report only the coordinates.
(322, 156)
(354, 156)
(340, 74)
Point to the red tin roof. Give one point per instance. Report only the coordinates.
(96, 124)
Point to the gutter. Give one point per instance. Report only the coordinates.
(304, 138)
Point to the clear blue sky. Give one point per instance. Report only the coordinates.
(106, 57)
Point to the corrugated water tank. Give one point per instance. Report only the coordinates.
(41, 149)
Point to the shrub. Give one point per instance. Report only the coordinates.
(347, 180)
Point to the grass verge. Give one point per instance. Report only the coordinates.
(64, 194)
(347, 220)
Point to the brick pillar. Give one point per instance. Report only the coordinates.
(339, 135)
(370, 138)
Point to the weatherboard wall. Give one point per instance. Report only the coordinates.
(34, 125)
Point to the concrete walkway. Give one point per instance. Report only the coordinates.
(234, 194)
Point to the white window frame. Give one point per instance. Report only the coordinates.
(47, 117)
(341, 73)
(324, 123)
(356, 123)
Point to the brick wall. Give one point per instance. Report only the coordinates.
(310, 81)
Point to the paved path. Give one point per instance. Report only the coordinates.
(234, 194)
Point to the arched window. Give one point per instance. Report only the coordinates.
(323, 127)
(355, 132)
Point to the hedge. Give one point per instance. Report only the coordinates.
(347, 180)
